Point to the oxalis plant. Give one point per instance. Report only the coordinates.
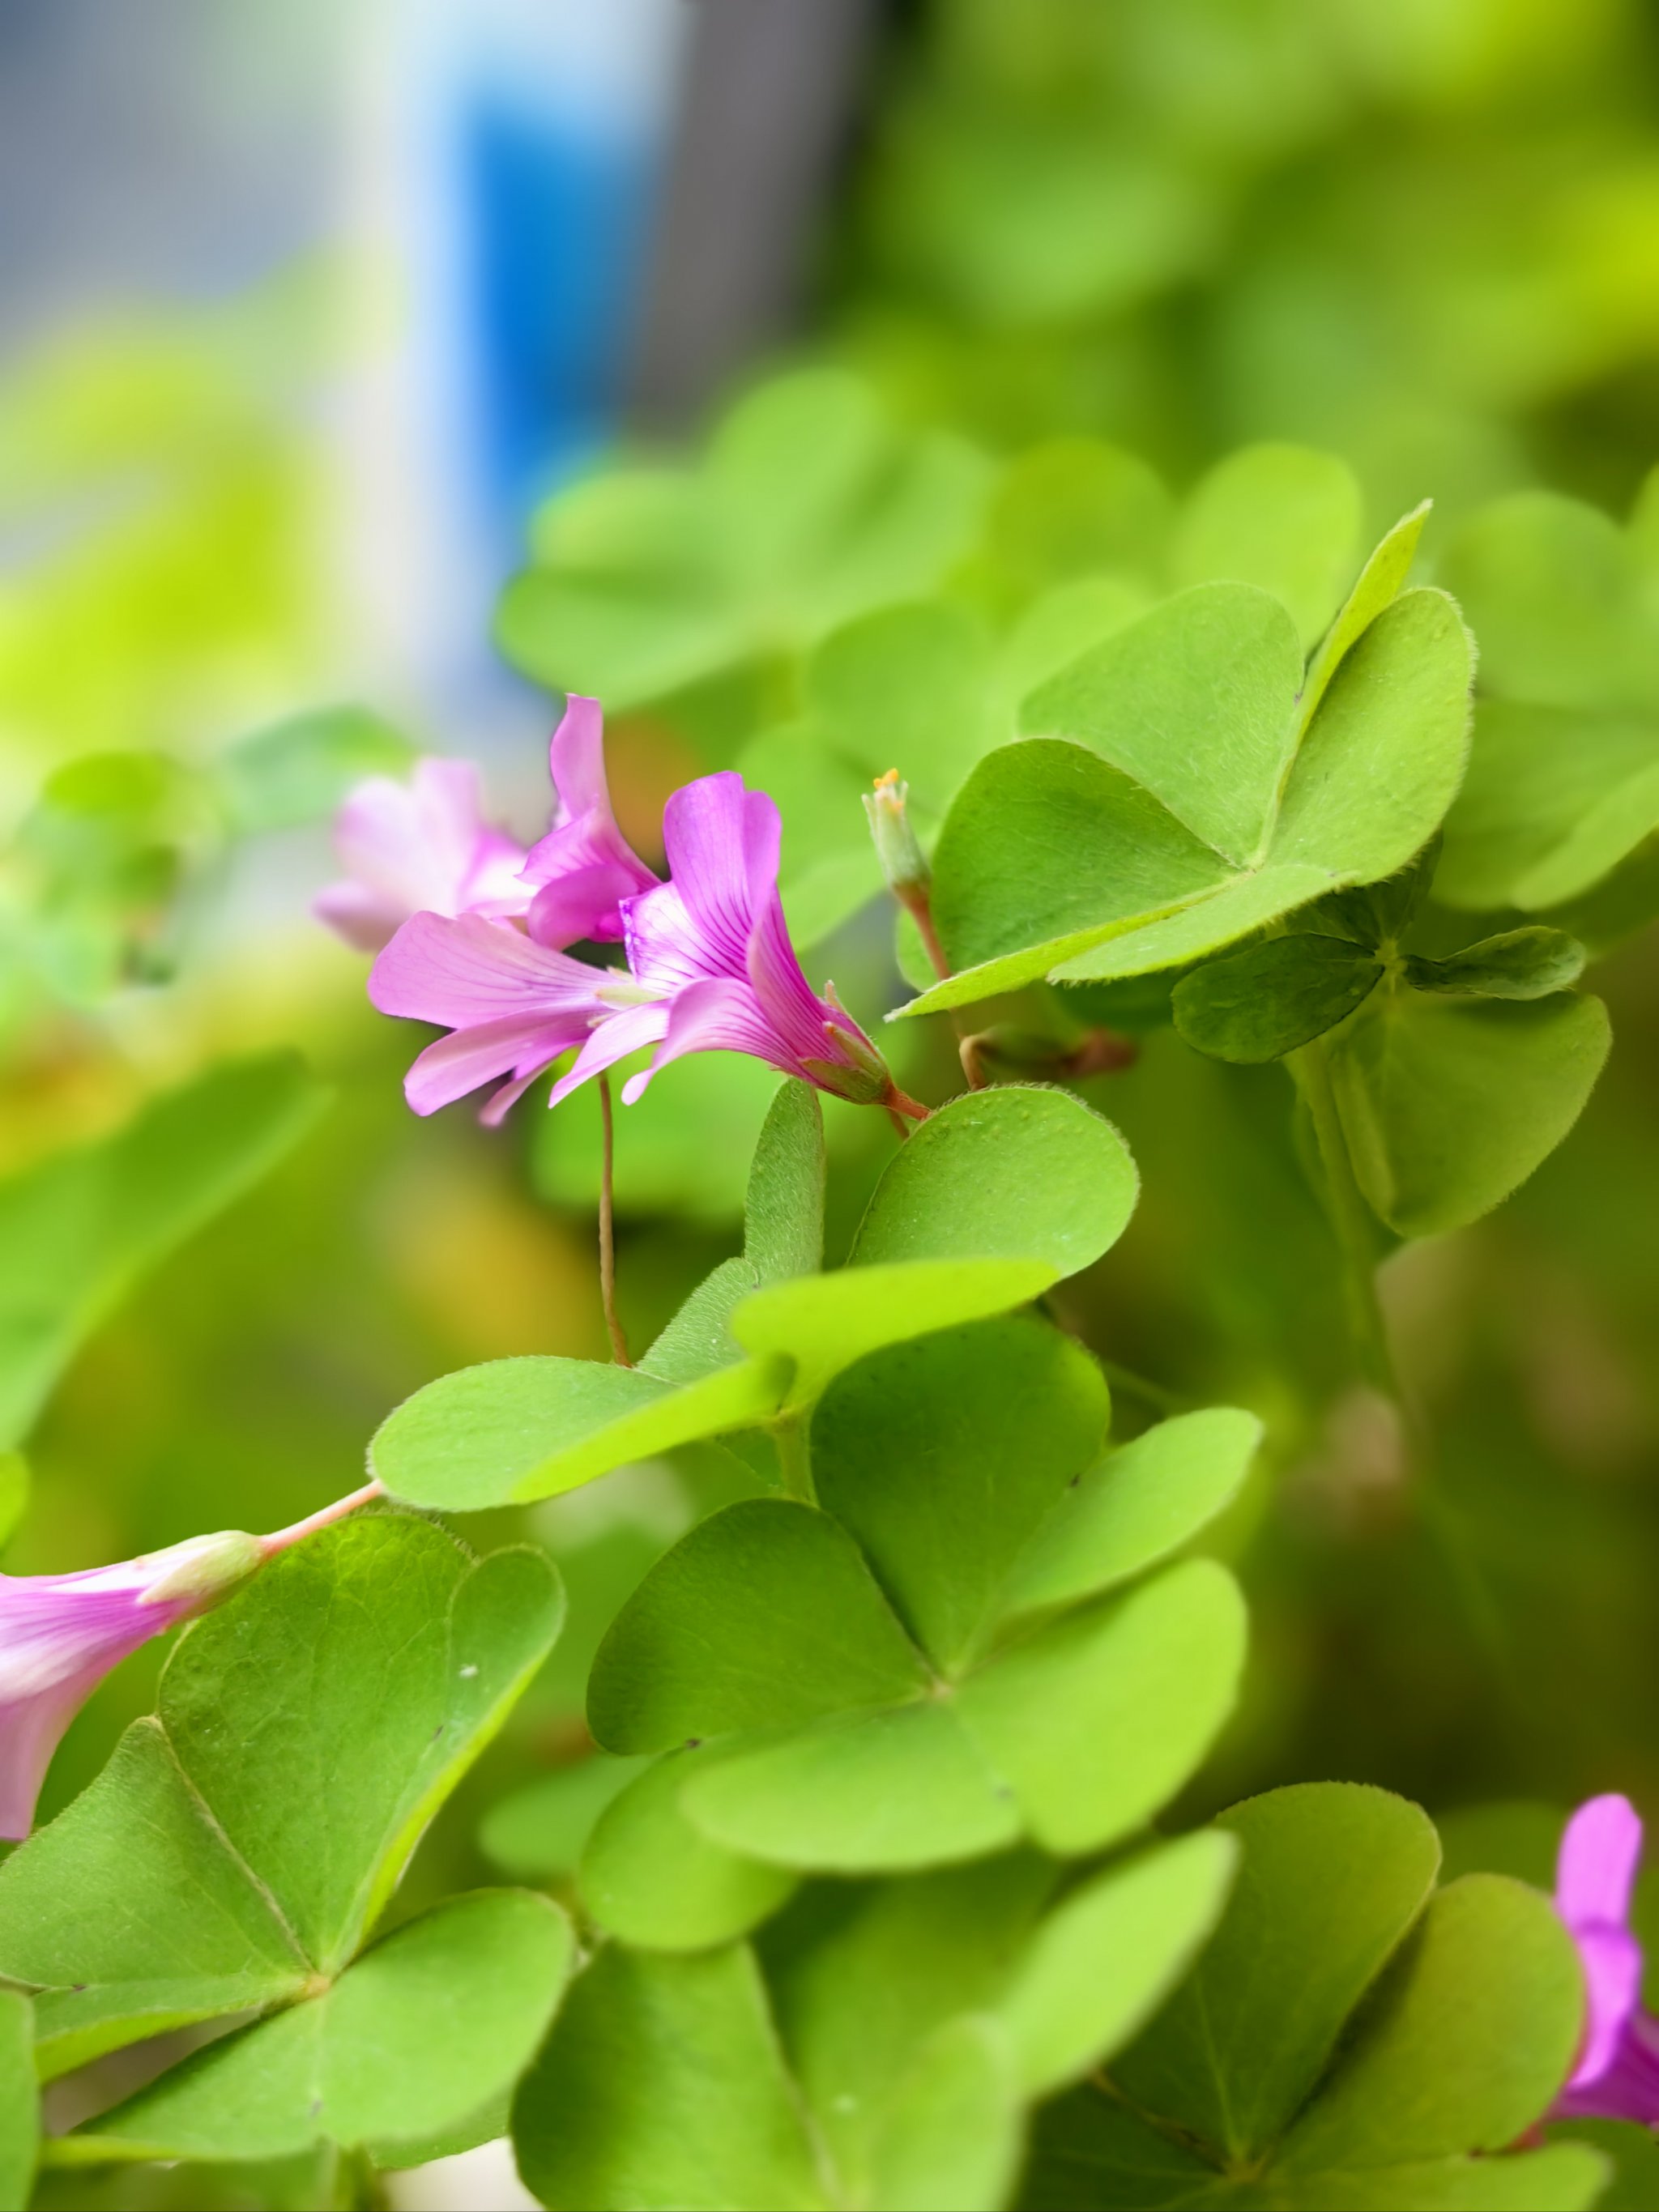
(882, 1896)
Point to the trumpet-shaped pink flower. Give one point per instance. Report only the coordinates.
(584, 868)
(710, 969)
(61, 1634)
(420, 846)
(1617, 2074)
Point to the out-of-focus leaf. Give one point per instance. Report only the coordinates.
(77, 1231)
(1522, 963)
(515, 1430)
(308, 1730)
(662, 2084)
(1107, 1956)
(1133, 1508)
(1017, 1172)
(942, 1456)
(828, 868)
(1075, 507)
(680, 1148)
(907, 688)
(1448, 1104)
(422, 2031)
(1285, 517)
(1259, 1004)
(651, 1877)
(1099, 1718)
(765, 1615)
(15, 1486)
(810, 506)
(299, 769)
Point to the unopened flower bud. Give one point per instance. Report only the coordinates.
(201, 1569)
(902, 861)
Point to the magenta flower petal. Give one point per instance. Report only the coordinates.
(1596, 1865)
(459, 1063)
(1616, 2076)
(420, 846)
(629, 1030)
(61, 1634)
(584, 868)
(463, 970)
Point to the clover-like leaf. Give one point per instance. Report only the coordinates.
(942, 1456)
(1522, 963)
(662, 2083)
(950, 2134)
(810, 506)
(413, 2038)
(243, 1842)
(1166, 805)
(1345, 2038)
(765, 1615)
(77, 1229)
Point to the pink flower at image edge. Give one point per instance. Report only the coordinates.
(1617, 2072)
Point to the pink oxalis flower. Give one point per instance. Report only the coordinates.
(1617, 2075)
(420, 846)
(61, 1634)
(710, 969)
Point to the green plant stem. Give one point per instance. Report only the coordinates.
(608, 1227)
(1351, 1221)
(795, 1459)
(1126, 1383)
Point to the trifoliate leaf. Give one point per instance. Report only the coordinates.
(1259, 1004)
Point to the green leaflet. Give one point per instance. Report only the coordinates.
(1017, 1172)
(810, 506)
(1204, 818)
(651, 1877)
(1346, 2038)
(1259, 1004)
(662, 2083)
(77, 1231)
(246, 1839)
(415, 2036)
(1449, 1103)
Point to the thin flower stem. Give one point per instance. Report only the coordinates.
(900, 1104)
(1351, 1222)
(916, 902)
(608, 1227)
(325, 1517)
(795, 1459)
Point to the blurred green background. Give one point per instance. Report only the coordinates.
(1424, 235)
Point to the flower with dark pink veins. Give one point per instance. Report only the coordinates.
(584, 868)
(420, 846)
(710, 969)
(1617, 2074)
(61, 1634)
